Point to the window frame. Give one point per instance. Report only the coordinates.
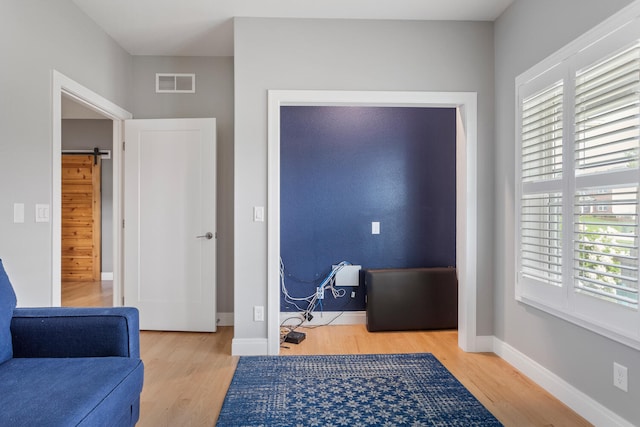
(612, 320)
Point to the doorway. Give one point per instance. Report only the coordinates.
(86, 211)
(466, 206)
(89, 101)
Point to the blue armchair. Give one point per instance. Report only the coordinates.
(68, 366)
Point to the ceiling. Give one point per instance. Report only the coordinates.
(205, 27)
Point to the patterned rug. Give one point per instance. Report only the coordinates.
(353, 390)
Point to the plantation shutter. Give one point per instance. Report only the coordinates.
(607, 100)
(607, 142)
(541, 238)
(542, 135)
(541, 198)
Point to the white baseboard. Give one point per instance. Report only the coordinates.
(106, 275)
(225, 319)
(326, 317)
(249, 347)
(591, 410)
(341, 318)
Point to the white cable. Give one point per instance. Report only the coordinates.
(312, 300)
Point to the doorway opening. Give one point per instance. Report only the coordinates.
(76, 95)
(87, 200)
(465, 104)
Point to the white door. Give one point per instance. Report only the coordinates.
(170, 218)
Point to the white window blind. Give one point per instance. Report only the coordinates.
(607, 141)
(607, 114)
(541, 238)
(541, 171)
(606, 244)
(542, 135)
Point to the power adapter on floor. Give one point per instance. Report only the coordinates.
(295, 337)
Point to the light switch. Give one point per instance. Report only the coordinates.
(18, 212)
(42, 213)
(258, 214)
(375, 227)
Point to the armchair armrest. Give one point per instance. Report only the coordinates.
(75, 332)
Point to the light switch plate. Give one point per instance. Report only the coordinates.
(42, 213)
(258, 214)
(18, 213)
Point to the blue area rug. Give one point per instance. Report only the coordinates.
(352, 390)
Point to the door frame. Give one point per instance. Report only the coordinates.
(465, 104)
(62, 84)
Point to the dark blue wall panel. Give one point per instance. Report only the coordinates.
(344, 167)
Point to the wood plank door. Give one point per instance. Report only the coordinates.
(169, 223)
(81, 219)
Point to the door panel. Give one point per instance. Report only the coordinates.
(81, 218)
(169, 202)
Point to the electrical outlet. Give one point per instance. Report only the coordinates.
(319, 293)
(620, 376)
(375, 227)
(258, 313)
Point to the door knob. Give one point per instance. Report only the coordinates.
(208, 235)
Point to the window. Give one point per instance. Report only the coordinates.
(578, 132)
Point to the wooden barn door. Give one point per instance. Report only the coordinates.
(81, 220)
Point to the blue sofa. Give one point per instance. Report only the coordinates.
(68, 366)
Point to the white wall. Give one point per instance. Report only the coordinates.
(348, 55)
(213, 98)
(525, 34)
(37, 36)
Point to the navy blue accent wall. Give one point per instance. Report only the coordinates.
(344, 167)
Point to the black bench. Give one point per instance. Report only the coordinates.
(411, 299)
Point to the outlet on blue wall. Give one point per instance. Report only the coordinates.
(343, 168)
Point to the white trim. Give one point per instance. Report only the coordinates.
(466, 203)
(225, 319)
(106, 275)
(62, 84)
(325, 317)
(583, 322)
(613, 23)
(249, 346)
(588, 408)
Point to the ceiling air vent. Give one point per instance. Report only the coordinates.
(175, 83)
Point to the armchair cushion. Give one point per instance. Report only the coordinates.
(72, 367)
(62, 392)
(7, 304)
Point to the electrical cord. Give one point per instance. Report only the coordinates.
(313, 302)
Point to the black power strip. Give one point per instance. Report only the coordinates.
(295, 337)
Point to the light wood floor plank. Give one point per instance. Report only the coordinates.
(187, 374)
(87, 294)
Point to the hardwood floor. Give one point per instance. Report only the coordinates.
(187, 374)
(87, 294)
